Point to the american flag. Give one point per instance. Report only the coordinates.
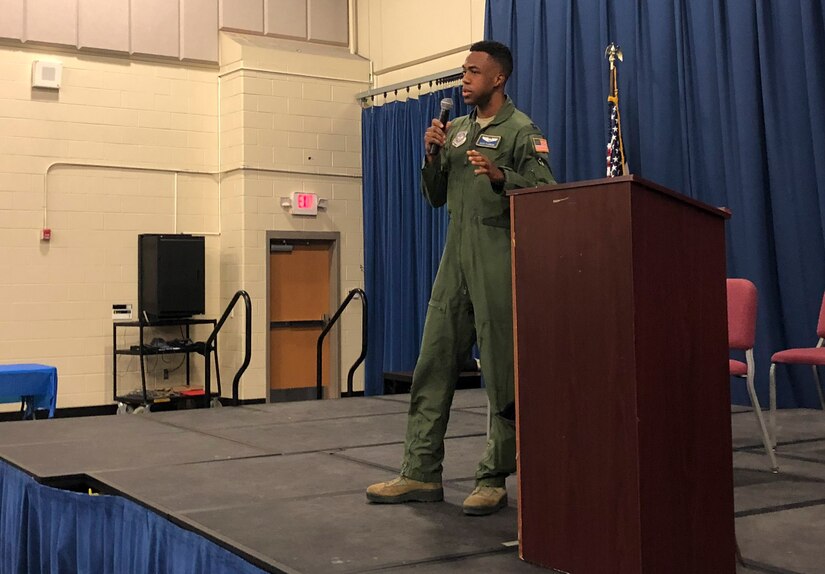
(615, 151)
(616, 162)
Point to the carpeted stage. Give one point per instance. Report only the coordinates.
(282, 485)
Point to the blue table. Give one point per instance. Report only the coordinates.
(35, 385)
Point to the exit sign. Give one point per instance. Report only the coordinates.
(304, 203)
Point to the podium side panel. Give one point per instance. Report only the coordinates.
(575, 384)
(685, 462)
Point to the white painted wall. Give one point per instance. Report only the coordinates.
(289, 109)
(405, 40)
(56, 297)
(284, 106)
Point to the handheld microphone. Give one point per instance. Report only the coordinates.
(446, 106)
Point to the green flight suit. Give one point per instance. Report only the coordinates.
(471, 298)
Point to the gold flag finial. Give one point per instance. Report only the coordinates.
(612, 52)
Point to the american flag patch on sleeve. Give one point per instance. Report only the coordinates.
(540, 145)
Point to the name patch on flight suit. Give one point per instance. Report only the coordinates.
(459, 139)
(488, 141)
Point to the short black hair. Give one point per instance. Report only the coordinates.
(498, 52)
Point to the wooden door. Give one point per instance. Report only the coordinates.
(299, 304)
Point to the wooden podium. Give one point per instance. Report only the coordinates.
(622, 384)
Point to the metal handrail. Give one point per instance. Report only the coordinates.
(319, 382)
(211, 344)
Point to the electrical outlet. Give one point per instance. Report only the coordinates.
(165, 374)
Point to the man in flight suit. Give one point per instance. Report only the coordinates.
(494, 149)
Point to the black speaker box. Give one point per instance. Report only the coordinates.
(171, 276)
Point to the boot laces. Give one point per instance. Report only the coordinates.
(486, 490)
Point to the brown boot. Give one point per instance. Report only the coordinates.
(485, 500)
(403, 489)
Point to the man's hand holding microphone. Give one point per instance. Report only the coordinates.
(436, 135)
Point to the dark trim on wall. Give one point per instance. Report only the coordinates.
(103, 410)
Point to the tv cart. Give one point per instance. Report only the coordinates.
(143, 399)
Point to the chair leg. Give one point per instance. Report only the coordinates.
(766, 441)
(818, 387)
(772, 415)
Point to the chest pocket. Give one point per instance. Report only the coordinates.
(500, 157)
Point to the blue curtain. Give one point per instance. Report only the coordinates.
(722, 101)
(45, 530)
(403, 235)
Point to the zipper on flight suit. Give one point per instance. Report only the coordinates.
(472, 135)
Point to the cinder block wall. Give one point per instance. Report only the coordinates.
(56, 297)
(285, 108)
(289, 116)
(182, 124)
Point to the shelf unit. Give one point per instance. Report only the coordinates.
(142, 397)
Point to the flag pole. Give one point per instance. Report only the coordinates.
(612, 53)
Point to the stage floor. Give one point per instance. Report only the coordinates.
(283, 484)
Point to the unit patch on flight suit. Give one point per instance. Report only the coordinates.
(460, 138)
(488, 141)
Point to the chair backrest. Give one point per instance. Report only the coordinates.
(820, 326)
(742, 297)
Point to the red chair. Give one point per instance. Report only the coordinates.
(814, 356)
(742, 298)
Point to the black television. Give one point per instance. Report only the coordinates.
(171, 276)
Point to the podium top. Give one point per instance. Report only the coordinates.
(623, 179)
